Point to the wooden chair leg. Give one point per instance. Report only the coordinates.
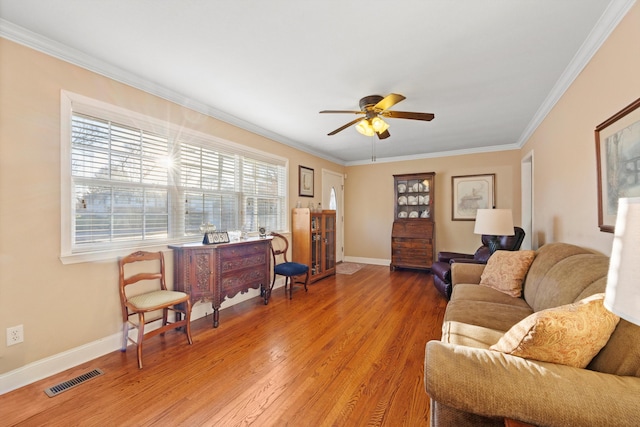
(125, 335)
(165, 318)
(140, 338)
(306, 281)
(187, 316)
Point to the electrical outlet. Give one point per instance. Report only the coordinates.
(15, 335)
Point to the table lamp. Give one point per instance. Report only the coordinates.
(622, 295)
(494, 223)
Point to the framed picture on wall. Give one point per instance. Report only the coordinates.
(305, 181)
(470, 193)
(618, 162)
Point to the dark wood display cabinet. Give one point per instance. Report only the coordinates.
(413, 232)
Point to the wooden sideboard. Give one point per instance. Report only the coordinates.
(216, 272)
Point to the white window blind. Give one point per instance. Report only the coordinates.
(134, 187)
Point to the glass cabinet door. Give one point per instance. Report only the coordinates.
(330, 242)
(316, 245)
(413, 197)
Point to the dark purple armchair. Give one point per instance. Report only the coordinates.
(441, 269)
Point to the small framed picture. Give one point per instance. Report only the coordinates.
(305, 181)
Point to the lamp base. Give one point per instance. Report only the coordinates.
(493, 244)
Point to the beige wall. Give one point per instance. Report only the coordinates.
(565, 192)
(66, 306)
(369, 197)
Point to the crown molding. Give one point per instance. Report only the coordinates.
(450, 153)
(612, 16)
(609, 20)
(58, 50)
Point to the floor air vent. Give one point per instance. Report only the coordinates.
(59, 388)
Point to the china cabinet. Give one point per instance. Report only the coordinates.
(314, 241)
(413, 232)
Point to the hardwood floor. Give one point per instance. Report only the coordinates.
(350, 352)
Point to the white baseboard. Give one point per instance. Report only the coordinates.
(48, 366)
(374, 261)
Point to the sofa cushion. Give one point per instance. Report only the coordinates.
(471, 292)
(621, 355)
(478, 316)
(570, 335)
(468, 335)
(495, 318)
(506, 271)
(561, 273)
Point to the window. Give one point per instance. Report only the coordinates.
(133, 181)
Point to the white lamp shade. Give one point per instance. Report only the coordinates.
(494, 222)
(622, 295)
(379, 125)
(364, 127)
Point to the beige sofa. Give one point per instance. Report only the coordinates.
(469, 384)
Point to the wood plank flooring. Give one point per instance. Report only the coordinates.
(349, 352)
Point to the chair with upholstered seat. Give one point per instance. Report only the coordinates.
(441, 269)
(144, 292)
(283, 267)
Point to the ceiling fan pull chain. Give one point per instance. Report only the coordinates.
(373, 149)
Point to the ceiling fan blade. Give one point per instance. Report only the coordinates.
(341, 111)
(389, 101)
(351, 123)
(408, 115)
(383, 135)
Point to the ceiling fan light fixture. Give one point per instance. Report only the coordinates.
(379, 125)
(365, 128)
(374, 108)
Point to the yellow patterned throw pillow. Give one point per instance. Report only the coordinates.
(571, 334)
(505, 271)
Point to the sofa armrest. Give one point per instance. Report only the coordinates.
(466, 273)
(493, 384)
(448, 256)
(466, 260)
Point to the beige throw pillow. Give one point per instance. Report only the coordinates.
(505, 271)
(571, 334)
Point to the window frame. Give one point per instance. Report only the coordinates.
(71, 103)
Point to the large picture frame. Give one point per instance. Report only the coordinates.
(618, 162)
(470, 193)
(305, 181)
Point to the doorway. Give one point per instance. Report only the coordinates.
(526, 171)
(333, 198)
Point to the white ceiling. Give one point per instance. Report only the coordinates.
(489, 70)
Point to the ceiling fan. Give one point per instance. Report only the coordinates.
(374, 107)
